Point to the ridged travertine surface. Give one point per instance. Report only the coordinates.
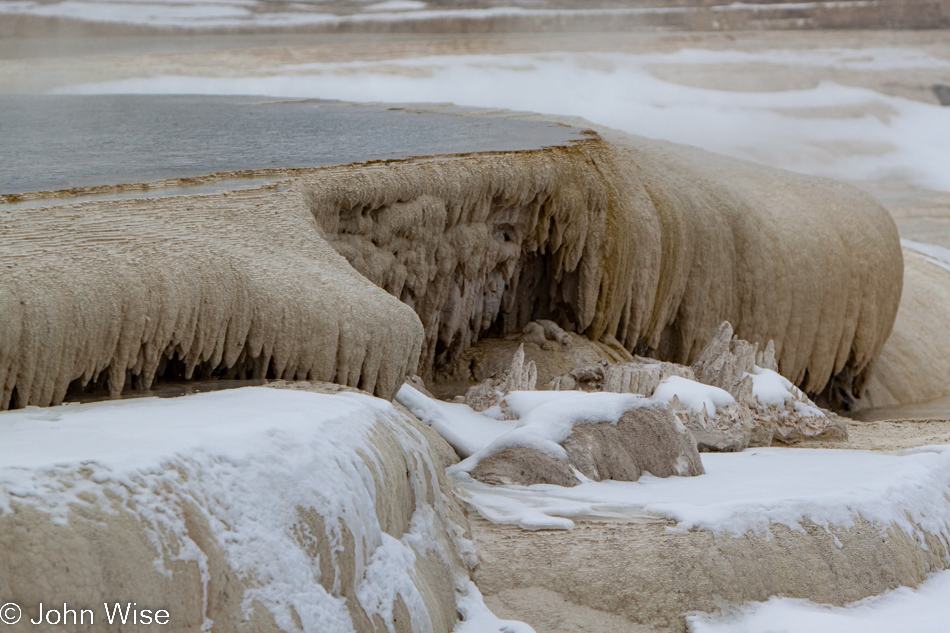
(238, 281)
(649, 242)
(915, 364)
(546, 577)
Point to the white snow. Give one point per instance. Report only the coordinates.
(543, 419)
(748, 491)
(477, 618)
(467, 431)
(693, 395)
(924, 610)
(771, 388)
(396, 5)
(247, 459)
(936, 255)
(812, 130)
(546, 418)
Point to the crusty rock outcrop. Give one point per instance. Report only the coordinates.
(520, 376)
(238, 284)
(646, 242)
(642, 376)
(645, 439)
(490, 358)
(758, 406)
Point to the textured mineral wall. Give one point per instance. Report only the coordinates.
(549, 577)
(239, 284)
(645, 242)
(915, 365)
(651, 243)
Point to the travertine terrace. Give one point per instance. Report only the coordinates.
(650, 243)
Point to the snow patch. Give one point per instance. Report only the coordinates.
(921, 610)
(772, 388)
(936, 255)
(748, 491)
(477, 618)
(467, 431)
(396, 5)
(693, 395)
(248, 459)
(910, 143)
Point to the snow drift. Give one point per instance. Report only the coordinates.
(254, 509)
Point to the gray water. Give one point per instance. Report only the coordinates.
(52, 142)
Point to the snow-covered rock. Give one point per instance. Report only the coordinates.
(726, 400)
(646, 439)
(254, 509)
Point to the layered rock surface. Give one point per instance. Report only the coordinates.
(645, 243)
(648, 243)
(236, 284)
(556, 580)
(250, 510)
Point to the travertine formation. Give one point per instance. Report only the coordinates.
(646, 242)
(642, 376)
(638, 576)
(520, 376)
(237, 285)
(779, 413)
(635, 241)
(730, 364)
(915, 365)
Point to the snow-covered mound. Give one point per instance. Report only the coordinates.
(921, 610)
(254, 509)
(829, 526)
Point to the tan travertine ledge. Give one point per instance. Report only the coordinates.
(648, 242)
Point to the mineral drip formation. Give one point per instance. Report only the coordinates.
(645, 242)
(648, 243)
